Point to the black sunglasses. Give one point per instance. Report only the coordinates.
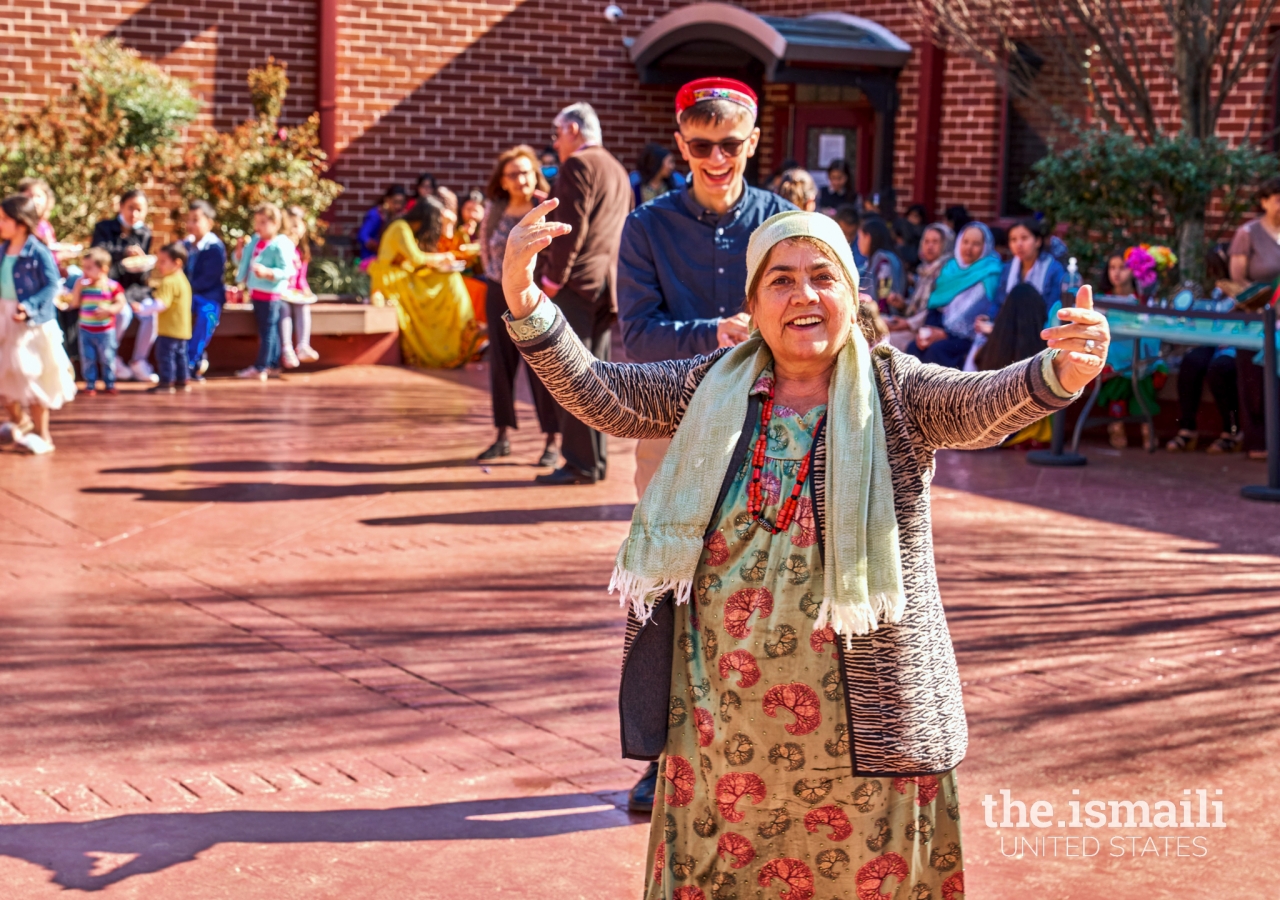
(700, 148)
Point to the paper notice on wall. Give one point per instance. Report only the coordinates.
(830, 147)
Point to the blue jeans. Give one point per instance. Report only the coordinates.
(205, 315)
(267, 315)
(98, 357)
(171, 360)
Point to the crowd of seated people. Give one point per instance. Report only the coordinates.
(956, 292)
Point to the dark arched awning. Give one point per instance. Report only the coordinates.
(721, 37)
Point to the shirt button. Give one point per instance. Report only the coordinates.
(719, 231)
(722, 309)
(721, 271)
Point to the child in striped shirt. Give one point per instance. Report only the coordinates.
(99, 300)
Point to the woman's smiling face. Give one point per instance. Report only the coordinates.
(803, 302)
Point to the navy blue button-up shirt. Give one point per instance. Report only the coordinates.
(682, 268)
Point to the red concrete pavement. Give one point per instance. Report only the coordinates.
(287, 640)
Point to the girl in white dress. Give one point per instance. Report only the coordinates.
(35, 372)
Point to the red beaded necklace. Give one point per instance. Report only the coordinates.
(755, 490)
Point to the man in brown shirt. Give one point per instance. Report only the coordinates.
(580, 271)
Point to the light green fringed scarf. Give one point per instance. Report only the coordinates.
(862, 577)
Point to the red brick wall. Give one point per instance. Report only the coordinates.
(443, 85)
(210, 42)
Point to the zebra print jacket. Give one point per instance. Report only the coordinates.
(906, 715)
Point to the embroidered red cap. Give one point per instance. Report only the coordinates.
(715, 89)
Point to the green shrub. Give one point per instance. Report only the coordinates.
(119, 128)
(114, 130)
(259, 161)
(330, 275)
(1112, 191)
(155, 105)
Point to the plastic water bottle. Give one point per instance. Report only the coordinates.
(1071, 283)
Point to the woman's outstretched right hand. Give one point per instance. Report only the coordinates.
(531, 235)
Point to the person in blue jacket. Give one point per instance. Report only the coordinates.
(1032, 264)
(376, 220)
(1026, 300)
(682, 265)
(35, 372)
(206, 267)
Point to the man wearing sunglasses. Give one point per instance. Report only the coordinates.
(682, 266)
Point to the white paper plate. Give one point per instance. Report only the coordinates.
(137, 264)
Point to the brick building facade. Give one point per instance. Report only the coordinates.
(442, 85)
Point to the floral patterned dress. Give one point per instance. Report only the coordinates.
(759, 799)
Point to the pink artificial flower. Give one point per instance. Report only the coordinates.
(1142, 265)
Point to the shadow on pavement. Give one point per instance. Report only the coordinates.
(614, 512)
(80, 854)
(285, 465)
(268, 492)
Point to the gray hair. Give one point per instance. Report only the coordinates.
(582, 115)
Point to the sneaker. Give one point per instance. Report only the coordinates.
(307, 354)
(288, 358)
(271, 373)
(9, 434)
(123, 372)
(142, 371)
(251, 372)
(495, 450)
(183, 388)
(203, 366)
(34, 445)
(89, 392)
(160, 389)
(111, 391)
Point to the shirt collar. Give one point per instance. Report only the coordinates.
(206, 242)
(702, 214)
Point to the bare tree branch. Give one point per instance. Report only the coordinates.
(1210, 37)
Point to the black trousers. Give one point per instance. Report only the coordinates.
(1200, 364)
(504, 366)
(1252, 383)
(584, 448)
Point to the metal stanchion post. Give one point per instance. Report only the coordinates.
(1056, 455)
(1271, 413)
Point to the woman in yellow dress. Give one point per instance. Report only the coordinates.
(438, 327)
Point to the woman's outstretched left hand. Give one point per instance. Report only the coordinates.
(1082, 340)
(532, 235)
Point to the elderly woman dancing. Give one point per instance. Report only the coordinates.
(787, 654)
